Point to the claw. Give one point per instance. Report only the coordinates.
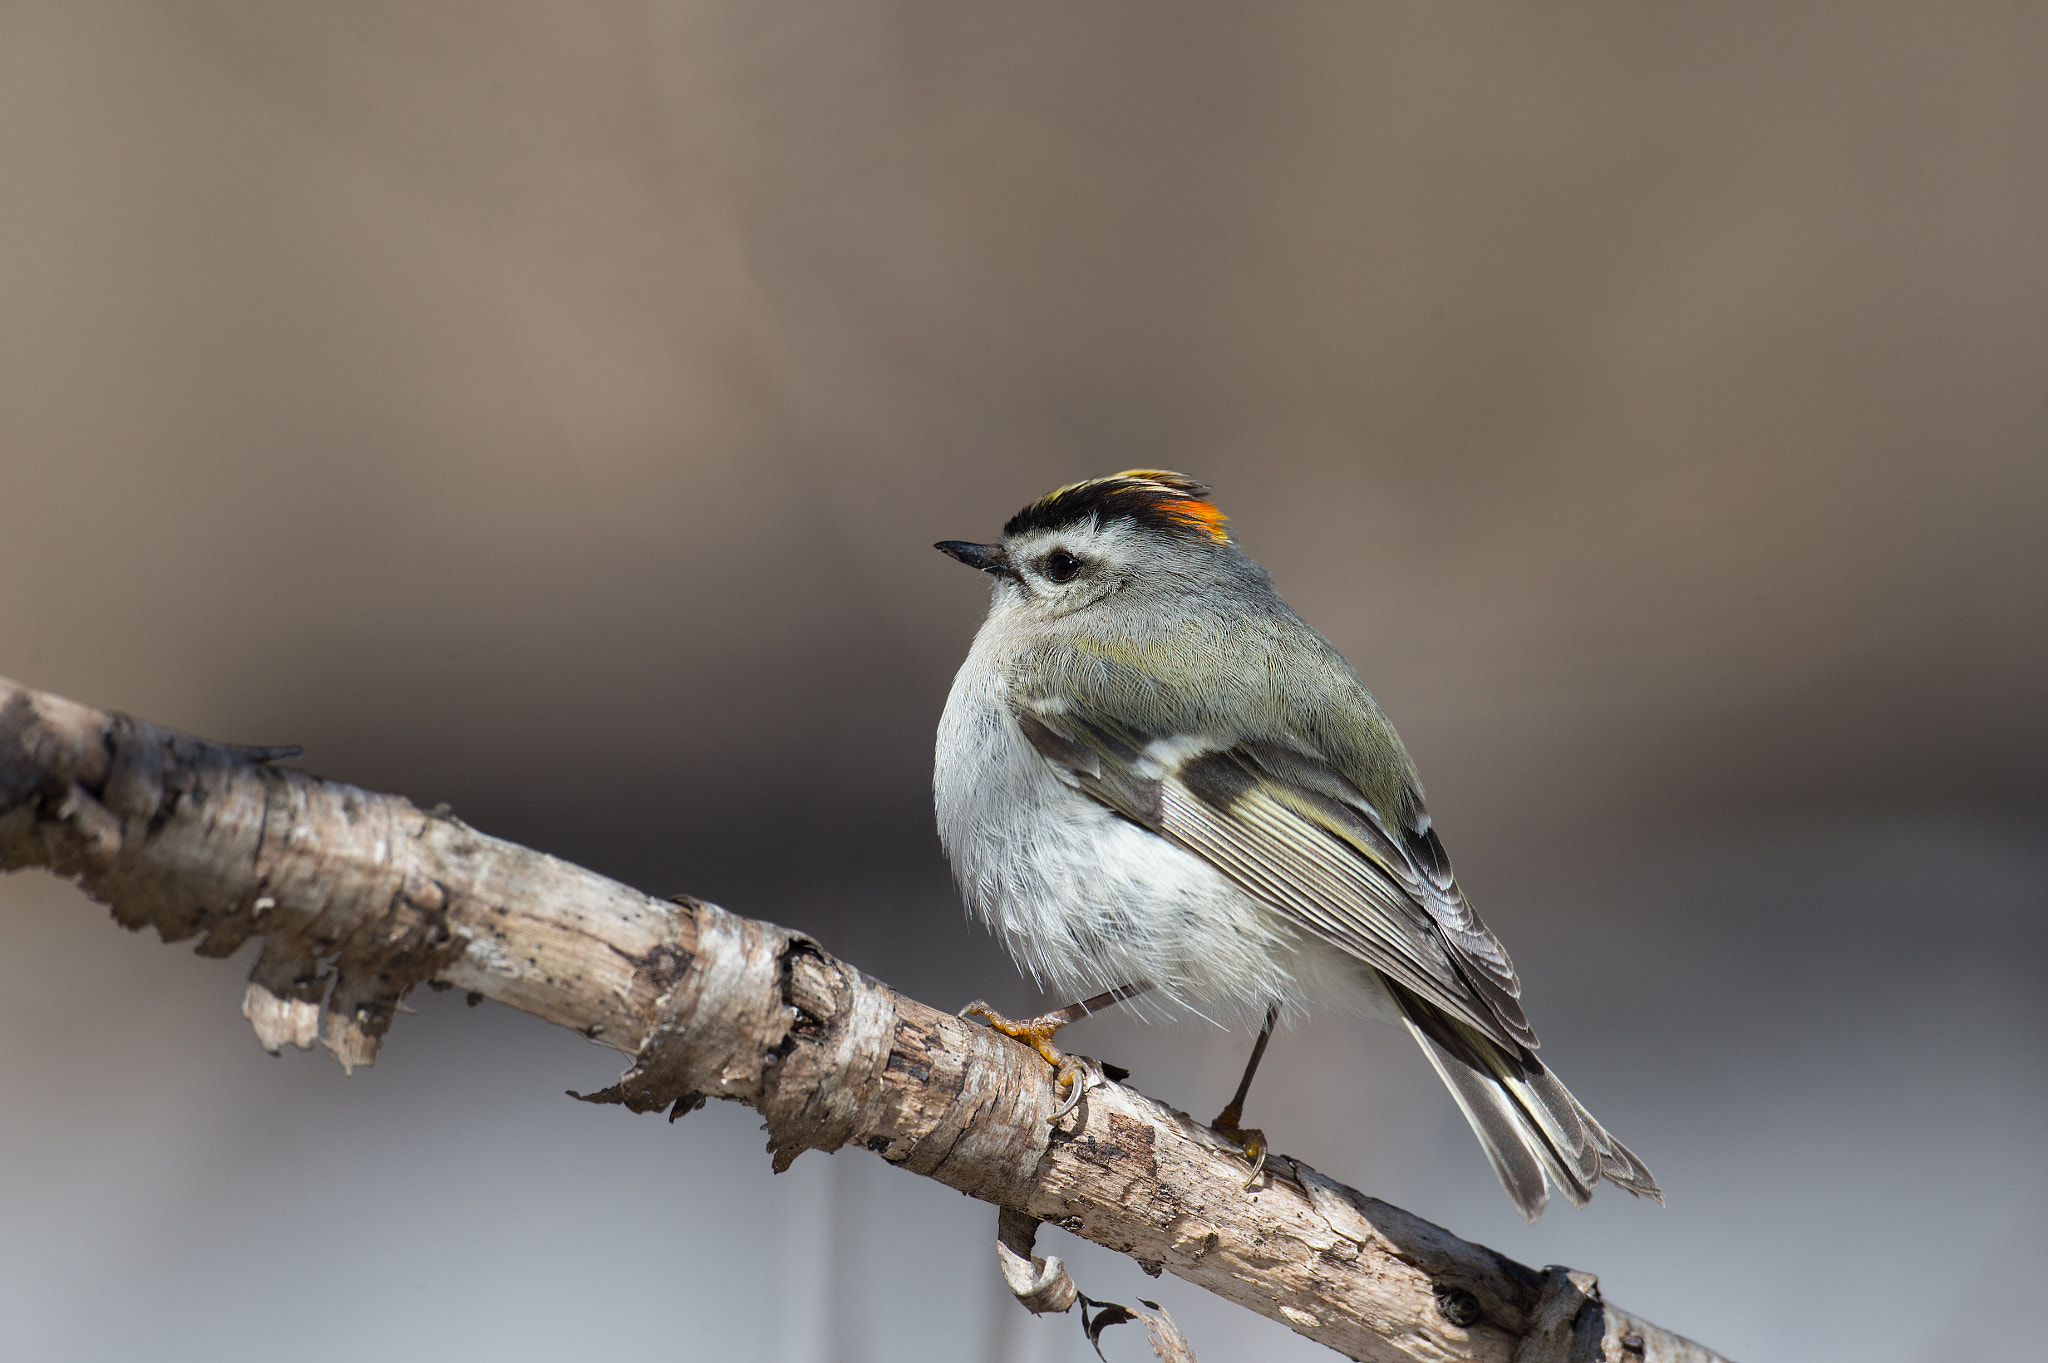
(1075, 1088)
(1077, 1076)
(1254, 1143)
(1249, 1139)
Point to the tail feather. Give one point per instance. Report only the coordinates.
(1607, 1157)
(1527, 1122)
(1496, 1123)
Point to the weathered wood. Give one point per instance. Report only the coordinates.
(361, 897)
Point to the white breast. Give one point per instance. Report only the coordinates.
(1087, 901)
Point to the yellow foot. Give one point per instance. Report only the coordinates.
(1071, 1074)
(1036, 1033)
(1248, 1138)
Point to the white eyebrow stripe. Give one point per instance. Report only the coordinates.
(1116, 543)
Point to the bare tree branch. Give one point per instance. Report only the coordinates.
(361, 897)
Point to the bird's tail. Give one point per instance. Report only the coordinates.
(1528, 1123)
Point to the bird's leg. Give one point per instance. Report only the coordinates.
(1037, 1032)
(1251, 1139)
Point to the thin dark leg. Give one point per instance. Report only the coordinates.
(1074, 1012)
(1250, 1139)
(1231, 1115)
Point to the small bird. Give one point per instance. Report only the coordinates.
(1155, 781)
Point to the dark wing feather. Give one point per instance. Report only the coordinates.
(1293, 832)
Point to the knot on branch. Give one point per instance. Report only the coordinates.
(758, 1014)
(829, 1088)
(718, 1023)
(1567, 1322)
(761, 1015)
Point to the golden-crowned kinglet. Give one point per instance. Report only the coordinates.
(1155, 780)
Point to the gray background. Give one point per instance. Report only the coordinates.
(549, 410)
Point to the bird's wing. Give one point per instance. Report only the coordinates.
(1291, 830)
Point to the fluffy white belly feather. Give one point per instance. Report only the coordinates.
(1086, 900)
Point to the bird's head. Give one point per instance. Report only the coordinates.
(1142, 530)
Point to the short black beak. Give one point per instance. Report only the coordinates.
(987, 557)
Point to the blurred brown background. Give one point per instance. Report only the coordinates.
(549, 410)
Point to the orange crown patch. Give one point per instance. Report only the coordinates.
(1170, 501)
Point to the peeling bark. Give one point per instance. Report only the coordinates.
(360, 898)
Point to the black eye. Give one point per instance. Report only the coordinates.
(1061, 566)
